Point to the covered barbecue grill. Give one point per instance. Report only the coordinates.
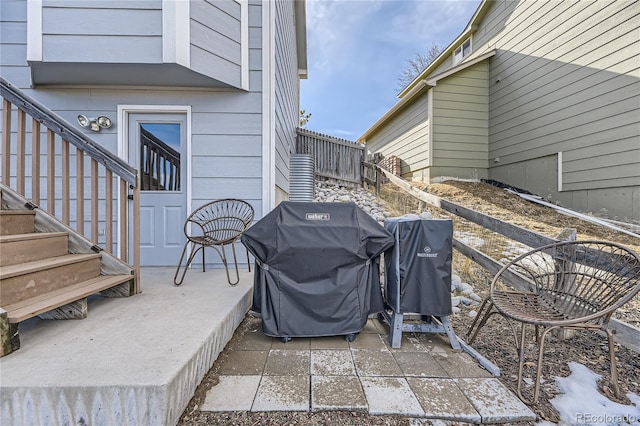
(418, 277)
(317, 270)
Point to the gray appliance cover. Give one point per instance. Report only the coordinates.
(418, 267)
(317, 270)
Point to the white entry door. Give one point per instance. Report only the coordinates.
(156, 148)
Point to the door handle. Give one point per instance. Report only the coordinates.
(130, 196)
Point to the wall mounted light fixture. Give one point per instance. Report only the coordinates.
(95, 123)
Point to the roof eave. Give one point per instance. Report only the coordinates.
(418, 88)
(466, 64)
(301, 37)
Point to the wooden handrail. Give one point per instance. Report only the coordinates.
(61, 127)
(102, 166)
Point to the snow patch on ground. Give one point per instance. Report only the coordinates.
(580, 403)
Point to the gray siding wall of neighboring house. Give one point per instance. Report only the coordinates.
(216, 39)
(226, 124)
(406, 136)
(87, 31)
(566, 78)
(460, 124)
(286, 91)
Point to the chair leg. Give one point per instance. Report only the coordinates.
(203, 261)
(612, 358)
(248, 261)
(520, 348)
(483, 319)
(223, 256)
(536, 389)
(189, 260)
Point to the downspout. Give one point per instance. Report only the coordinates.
(268, 130)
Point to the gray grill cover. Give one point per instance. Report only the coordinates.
(317, 272)
(418, 268)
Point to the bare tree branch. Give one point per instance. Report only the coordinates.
(414, 66)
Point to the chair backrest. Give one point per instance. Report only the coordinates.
(585, 280)
(222, 221)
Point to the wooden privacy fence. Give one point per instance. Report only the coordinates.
(73, 178)
(337, 159)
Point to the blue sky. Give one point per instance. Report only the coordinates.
(358, 48)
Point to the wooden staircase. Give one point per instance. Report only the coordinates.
(48, 270)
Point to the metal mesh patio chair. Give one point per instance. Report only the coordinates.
(571, 285)
(216, 224)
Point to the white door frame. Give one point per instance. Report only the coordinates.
(123, 142)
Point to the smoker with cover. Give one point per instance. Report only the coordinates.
(418, 278)
(317, 269)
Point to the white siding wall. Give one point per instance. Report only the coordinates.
(216, 39)
(406, 136)
(286, 91)
(566, 78)
(226, 124)
(188, 43)
(460, 124)
(86, 31)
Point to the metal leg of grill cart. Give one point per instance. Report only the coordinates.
(432, 325)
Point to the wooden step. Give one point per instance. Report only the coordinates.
(33, 306)
(27, 280)
(21, 248)
(16, 222)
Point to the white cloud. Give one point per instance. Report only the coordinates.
(424, 22)
(333, 29)
(357, 48)
(339, 32)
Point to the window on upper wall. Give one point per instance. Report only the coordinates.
(462, 51)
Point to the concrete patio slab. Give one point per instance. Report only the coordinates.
(377, 381)
(137, 359)
(253, 341)
(332, 363)
(375, 363)
(494, 402)
(442, 399)
(232, 393)
(301, 343)
(458, 364)
(419, 364)
(370, 327)
(337, 393)
(368, 341)
(288, 363)
(390, 395)
(244, 363)
(333, 342)
(283, 393)
(408, 343)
